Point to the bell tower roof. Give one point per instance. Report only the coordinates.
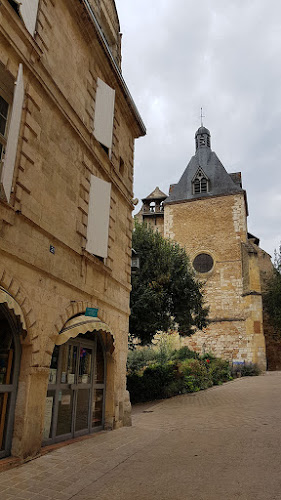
(202, 138)
(156, 194)
(202, 130)
(205, 175)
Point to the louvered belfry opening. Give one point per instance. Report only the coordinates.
(200, 184)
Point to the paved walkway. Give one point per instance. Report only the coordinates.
(223, 443)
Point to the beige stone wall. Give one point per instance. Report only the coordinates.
(217, 226)
(156, 223)
(272, 338)
(57, 153)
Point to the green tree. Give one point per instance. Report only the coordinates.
(164, 291)
(272, 296)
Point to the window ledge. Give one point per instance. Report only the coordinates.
(97, 263)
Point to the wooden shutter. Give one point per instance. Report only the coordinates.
(104, 113)
(28, 11)
(98, 217)
(13, 136)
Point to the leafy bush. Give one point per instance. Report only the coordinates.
(201, 372)
(220, 371)
(152, 383)
(191, 384)
(151, 376)
(140, 358)
(175, 387)
(184, 353)
(163, 344)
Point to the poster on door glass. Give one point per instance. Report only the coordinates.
(48, 417)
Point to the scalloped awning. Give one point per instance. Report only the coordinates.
(80, 325)
(12, 304)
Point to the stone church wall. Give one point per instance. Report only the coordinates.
(217, 226)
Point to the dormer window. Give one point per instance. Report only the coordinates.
(200, 182)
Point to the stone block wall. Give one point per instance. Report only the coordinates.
(217, 226)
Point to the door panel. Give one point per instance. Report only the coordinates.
(97, 408)
(85, 366)
(82, 409)
(65, 411)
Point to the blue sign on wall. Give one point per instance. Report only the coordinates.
(91, 311)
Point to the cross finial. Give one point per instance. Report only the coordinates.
(202, 116)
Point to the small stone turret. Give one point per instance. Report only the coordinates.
(152, 210)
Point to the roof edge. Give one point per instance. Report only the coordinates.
(118, 73)
(176, 202)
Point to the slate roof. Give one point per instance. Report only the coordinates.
(220, 182)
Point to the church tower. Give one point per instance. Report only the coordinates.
(206, 212)
(152, 210)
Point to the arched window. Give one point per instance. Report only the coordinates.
(200, 182)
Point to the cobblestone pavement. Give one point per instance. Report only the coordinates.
(223, 443)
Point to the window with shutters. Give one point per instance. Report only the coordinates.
(4, 114)
(104, 114)
(200, 182)
(27, 10)
(98, 217)
(11, 103)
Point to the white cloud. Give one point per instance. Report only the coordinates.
(179, 55)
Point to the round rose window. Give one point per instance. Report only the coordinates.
(203, 263)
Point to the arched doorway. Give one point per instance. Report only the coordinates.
(10, 352)
(76, 391)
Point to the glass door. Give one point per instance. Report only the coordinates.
(83, 390)
(70, 404)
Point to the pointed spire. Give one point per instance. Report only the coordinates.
(202, 116)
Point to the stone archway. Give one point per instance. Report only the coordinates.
(73, 310)
(26, 436)
(10, 354)
(18, 294)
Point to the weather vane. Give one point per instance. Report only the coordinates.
(202, 116)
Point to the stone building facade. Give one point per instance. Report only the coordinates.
(206, 212)
(67, 130)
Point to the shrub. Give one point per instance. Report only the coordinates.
(152, 383)
(139, 358)
(208, 356)
(191, 384)
(220, 371)
(184, 353)
(164, 343)
(175, 387)
(151, 376)
(198, 370)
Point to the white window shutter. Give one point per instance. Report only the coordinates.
(104, 113)
(13, 136)
(28, 11)
(98, 217)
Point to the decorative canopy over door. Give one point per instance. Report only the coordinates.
(80, 325)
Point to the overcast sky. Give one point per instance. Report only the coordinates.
(224, 55)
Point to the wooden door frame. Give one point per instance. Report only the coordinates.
(13, 387)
